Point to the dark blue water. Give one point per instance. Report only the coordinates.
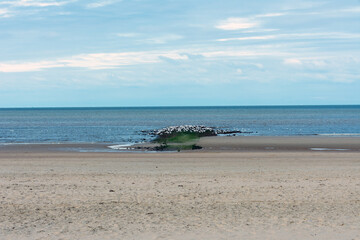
(122, 125)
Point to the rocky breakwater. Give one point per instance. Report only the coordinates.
(183, 137)
(199, 130)
(177, 138)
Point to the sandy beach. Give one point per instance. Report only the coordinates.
(234, 188)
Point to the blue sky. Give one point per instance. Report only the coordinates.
(178, 53)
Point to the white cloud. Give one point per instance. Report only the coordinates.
(239, 71)
(292, 61)
(308, 62)
(329, 13)
(326, 35)
(247, 38)
(93, 61)
(4, 12)
(28, 66)
(351, 10)
(337, 77)
(237, 23)
(344, 78)
(114, 60)
(259, 65)
(260, 30)
(33, 3)
(174, 56)
(111, 60)
(242, 54)
(102, 3)
(234, 23)
(271, 15)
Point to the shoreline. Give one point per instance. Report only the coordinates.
(208, 144)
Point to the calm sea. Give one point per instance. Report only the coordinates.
(124, 125)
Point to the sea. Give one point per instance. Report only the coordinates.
(126, 125)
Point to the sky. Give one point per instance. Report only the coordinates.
(76, 53)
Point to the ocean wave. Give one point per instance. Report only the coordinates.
(328, 149)
(30, 143)
(339, 134)
(120, 147)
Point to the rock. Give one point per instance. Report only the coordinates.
(172, 130)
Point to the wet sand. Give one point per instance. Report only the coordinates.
(271, 144)
(296, 143)
(209, 144)
(208, 194)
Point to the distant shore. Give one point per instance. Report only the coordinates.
(208, 144)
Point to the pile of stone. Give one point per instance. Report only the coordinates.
(201, 130)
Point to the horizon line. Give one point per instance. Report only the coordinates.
(184, 106)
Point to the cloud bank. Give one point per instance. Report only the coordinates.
(33, 3)
(236, 24)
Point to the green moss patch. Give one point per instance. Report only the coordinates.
(177, 142)
(178, 138)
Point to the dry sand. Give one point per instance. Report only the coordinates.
(186, 195)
